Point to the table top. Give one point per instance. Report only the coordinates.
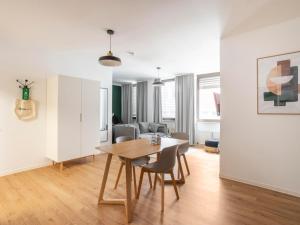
(139, 147)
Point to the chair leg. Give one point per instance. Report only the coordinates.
(180, 168)
(155, 181)
(119, 175)
(186, 164)
(162, 192)
(174, 184)
(150, 180)
(134, 180)
(178, 172)
(140, 184)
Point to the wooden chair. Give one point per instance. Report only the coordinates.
(137, 162)
(182, 149)
(164, 164)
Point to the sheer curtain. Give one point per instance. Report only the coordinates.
(142, 101)
(184, 100)
(127, 103)
(157, 115)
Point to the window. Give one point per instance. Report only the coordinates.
(134, 101)
(209, 97)
(168, 100)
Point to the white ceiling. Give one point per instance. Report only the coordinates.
(181, 36)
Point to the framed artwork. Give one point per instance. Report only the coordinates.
(278, 85)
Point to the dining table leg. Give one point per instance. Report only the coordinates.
(104, 179)
(128, 203)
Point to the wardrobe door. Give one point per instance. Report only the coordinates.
(69, 110)
(90, 125)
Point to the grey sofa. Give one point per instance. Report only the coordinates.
(139, 130)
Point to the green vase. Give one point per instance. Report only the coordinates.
(25, 95)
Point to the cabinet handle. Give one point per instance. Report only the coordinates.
(80, 117)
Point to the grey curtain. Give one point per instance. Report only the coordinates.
(184, 100)
(126, 103)
(141, 101)
(157, 115)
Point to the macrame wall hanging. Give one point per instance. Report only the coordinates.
(25, 108)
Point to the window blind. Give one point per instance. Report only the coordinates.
(209, 82)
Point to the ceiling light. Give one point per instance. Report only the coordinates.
(157, 82)
(110, 59)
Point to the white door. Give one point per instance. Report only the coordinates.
(90, 128)
(69, 110)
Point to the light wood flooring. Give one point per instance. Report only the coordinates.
(46, 196)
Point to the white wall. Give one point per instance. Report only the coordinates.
(263, 150)
(22, 144)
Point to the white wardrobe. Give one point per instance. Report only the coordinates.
(72, 118)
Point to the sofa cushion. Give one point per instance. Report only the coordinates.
(162, 129)
(144, 127)
(158, 128)
(152, 127)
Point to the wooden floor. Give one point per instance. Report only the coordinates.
(46, 196)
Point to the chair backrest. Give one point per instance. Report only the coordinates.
(182, 136)
(123, 130)
(167, 159)
(123, 139)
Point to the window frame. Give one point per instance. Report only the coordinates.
(166, 119)
(200, 76)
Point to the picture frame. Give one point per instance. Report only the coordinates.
(278, 88)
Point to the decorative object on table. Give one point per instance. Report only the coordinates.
(155, 139)
(158, 139)
(211, 145)
(25, 108)
(109, 59)
(278, 85)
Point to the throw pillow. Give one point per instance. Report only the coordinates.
(161, 129)
(153, 127)
(144, 127)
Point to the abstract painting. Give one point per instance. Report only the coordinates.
(278, 85)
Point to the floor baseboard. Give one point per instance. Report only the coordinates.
(265, 186)
(26, 168)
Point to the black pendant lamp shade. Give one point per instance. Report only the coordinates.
(110, 59)
(157, 82)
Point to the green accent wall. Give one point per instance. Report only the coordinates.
(116, 100)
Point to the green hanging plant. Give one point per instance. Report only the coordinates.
(25, 86)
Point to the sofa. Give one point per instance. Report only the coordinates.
(139, 130)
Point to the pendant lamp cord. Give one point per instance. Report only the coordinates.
(158, 68)
(110, 42)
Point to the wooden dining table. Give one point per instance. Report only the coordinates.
(130, 150)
